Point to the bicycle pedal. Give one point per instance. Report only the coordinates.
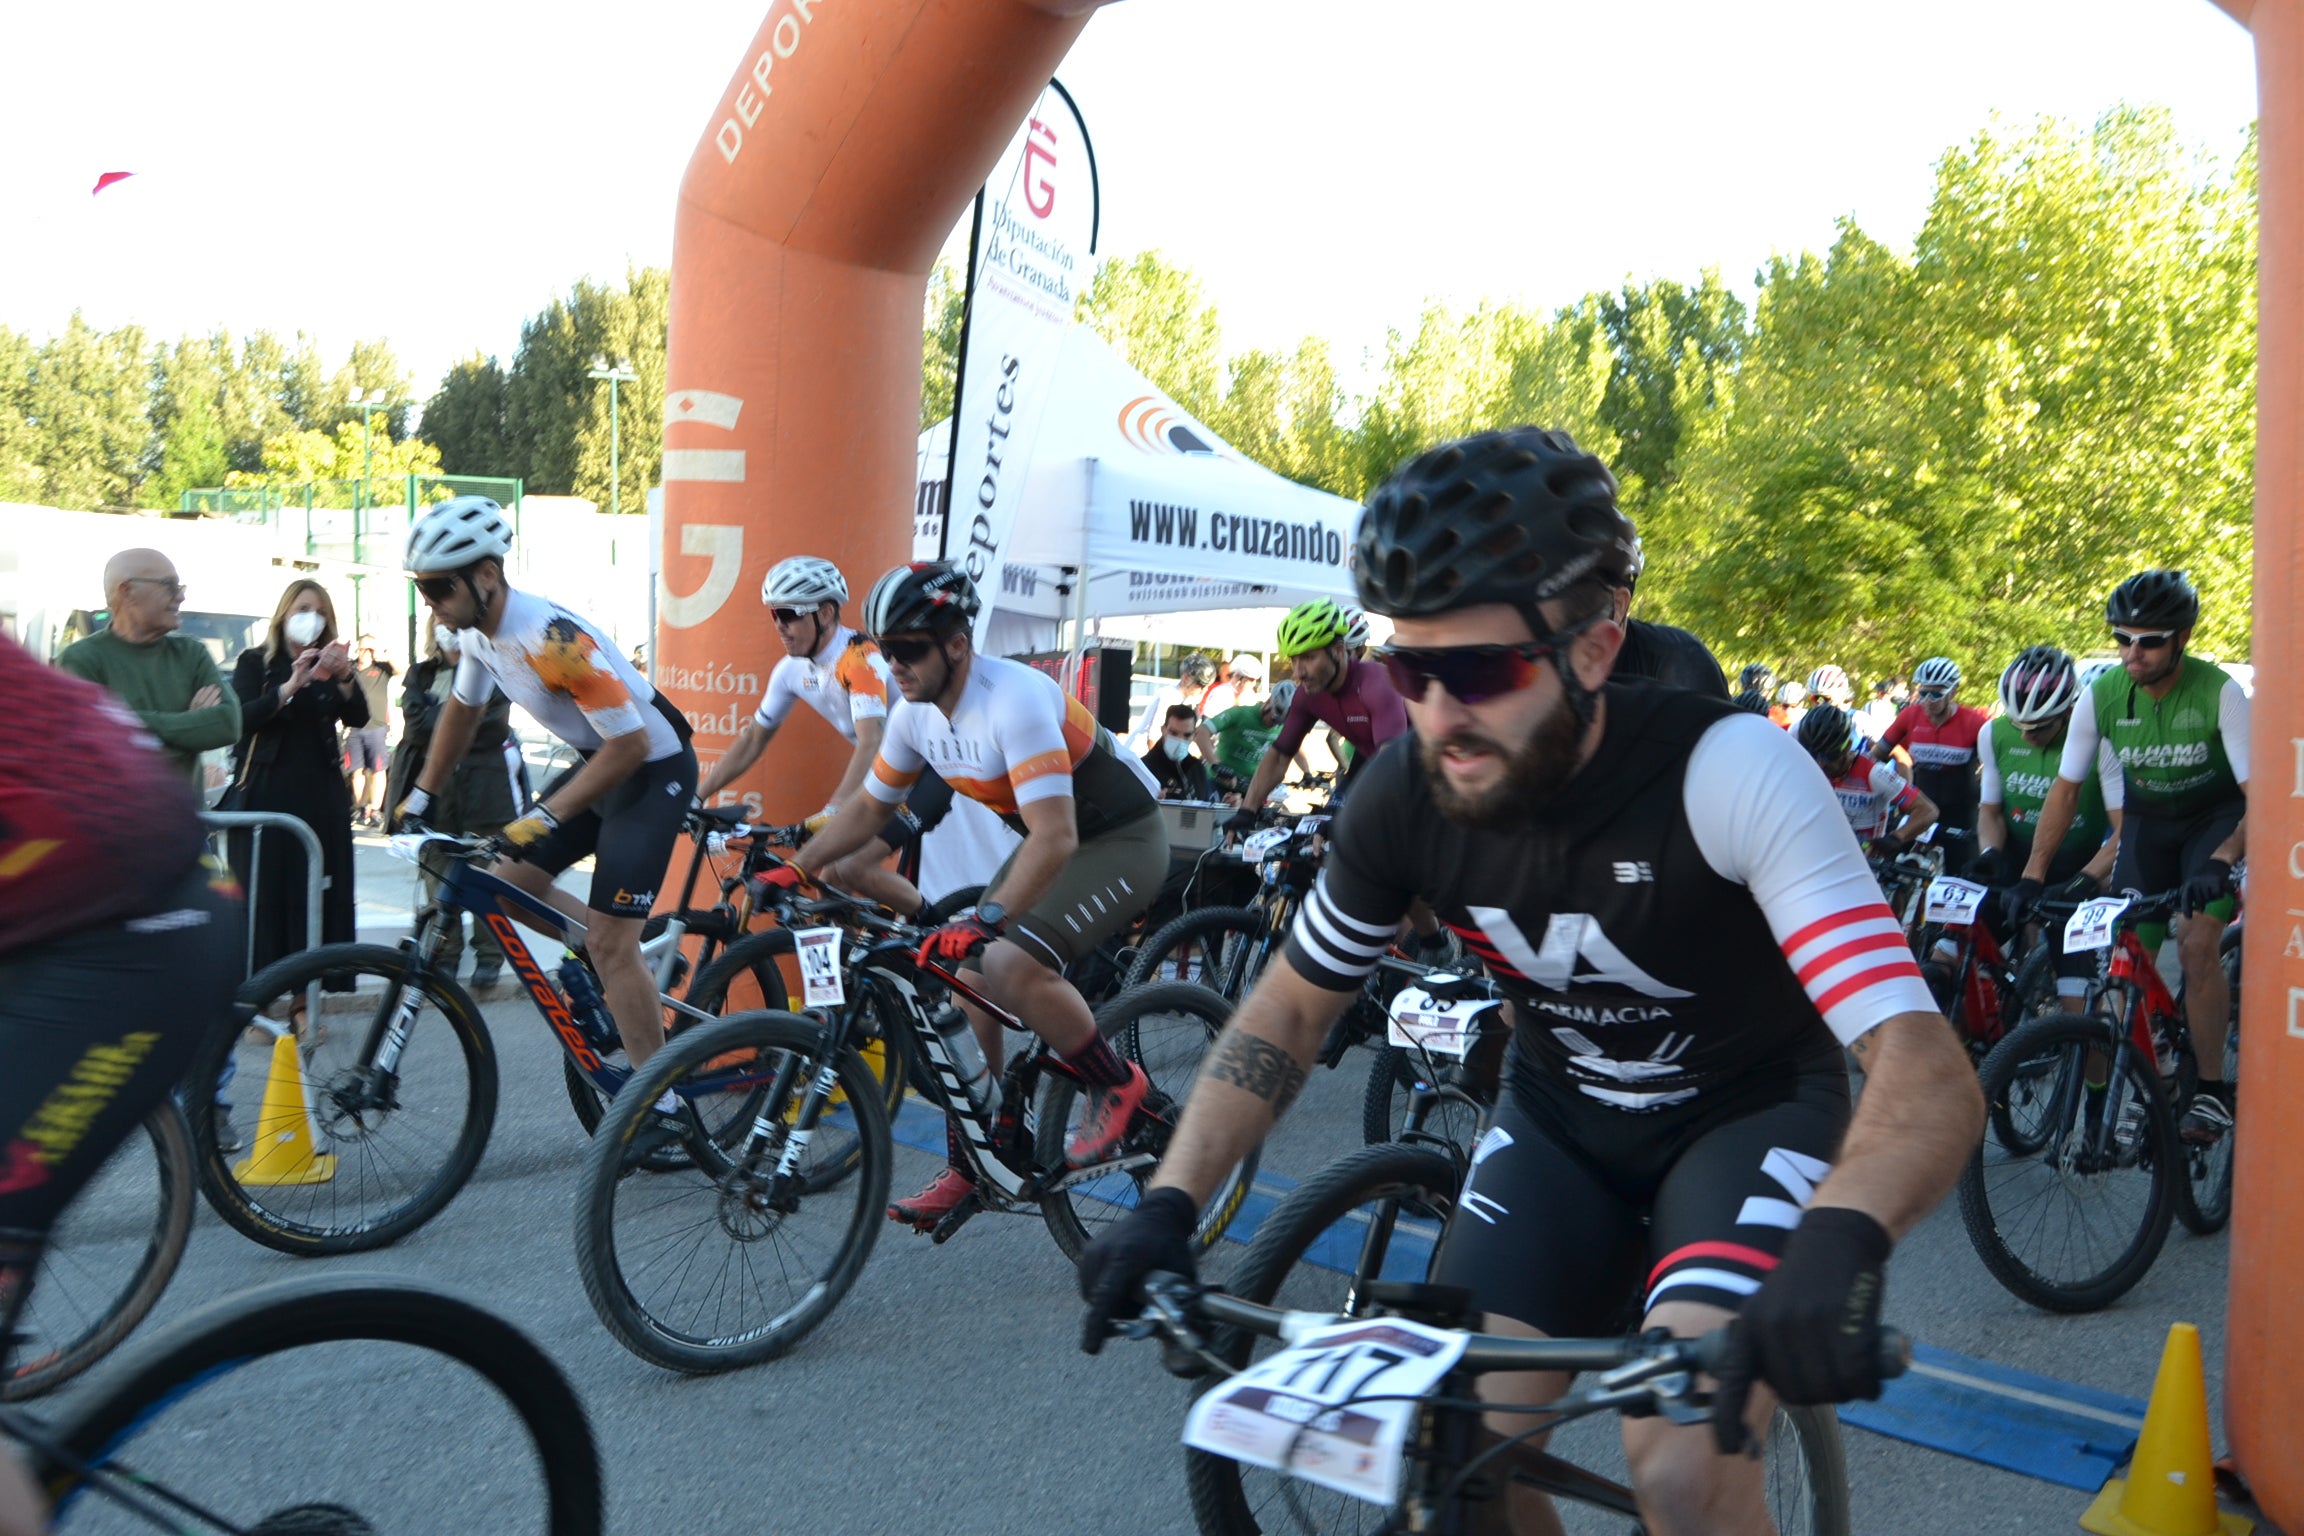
(955, 1219)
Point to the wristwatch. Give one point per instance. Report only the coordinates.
(991, 914)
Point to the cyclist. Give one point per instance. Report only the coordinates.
(1939, 733)
(2179, 728)
(2018, 756)
(1686, 938)
(1886, 814)
(843, 677)
(1094, 852)
(1662, 653)
(1757, 678)
(1236, 739)
(1356, 634)
(119, 953)
(1829, 684)
(623, 802)
(1788, 707)
(1752, 701)
(1353, 698)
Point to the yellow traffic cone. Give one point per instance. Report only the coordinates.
(281, 1152)
(2170, 1489)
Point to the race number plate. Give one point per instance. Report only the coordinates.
(1334, 1410)
(2091, 926)
(1953, 901)
(820, 983)
(1257, 844)
(1420, 1021)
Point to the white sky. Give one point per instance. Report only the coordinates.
(433, 172)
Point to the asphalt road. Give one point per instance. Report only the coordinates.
(946, 1395)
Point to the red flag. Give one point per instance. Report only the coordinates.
(107, 179)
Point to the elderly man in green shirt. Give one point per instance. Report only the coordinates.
(168, 679)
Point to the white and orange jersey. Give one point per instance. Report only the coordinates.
(846, 682)
(563, 671)
(1014, 737)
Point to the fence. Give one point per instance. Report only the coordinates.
(258, 824)
(358, 519)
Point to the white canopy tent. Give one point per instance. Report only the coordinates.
(1161, 514)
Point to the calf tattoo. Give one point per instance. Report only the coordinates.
(1265, 1070)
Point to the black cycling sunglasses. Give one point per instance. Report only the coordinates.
(791, 615)
(1472, 674)
(438, 588)
(909, 650)
(1934, 693)
(2142, 639)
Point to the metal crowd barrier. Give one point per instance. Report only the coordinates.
(258, 823)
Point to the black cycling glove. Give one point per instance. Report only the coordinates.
(1242, 820)
(2017, 900)
(2081, 887)
(2212, 884)
(1987, 867)
(1155, 1237)
(1812, 1331)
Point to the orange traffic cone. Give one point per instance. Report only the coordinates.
(281, 1152)
(2170, 1489)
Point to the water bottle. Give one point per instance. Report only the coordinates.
(959, 1039)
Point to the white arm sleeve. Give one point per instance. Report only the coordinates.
(1764, 818)
(474, 684)
(2232, 722)
(1988, 767)
(2109, 778)
(2080, 739)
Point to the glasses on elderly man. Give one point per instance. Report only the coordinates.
(175, 588)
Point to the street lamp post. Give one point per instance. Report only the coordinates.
(621, 373)
(367, 403)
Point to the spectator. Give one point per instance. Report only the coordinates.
(1193, 676)
(1172, 761)
(168, 679)
(294, 691)
(366, 744)
(1243, 683)
(478, 798)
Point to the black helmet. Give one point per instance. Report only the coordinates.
(935, 596)
(1757, 678)
(1500, 517)
(1826, 731)
(2154, 600)
(1753, 701)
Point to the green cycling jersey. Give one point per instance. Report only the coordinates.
(2179, 755)
(1241, 737)
(2016, 777)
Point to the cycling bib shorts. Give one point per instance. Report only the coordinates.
(629, 834)
(2159, 853)
(1107, 884)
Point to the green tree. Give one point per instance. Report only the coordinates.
(941, 314)
(87, 400)
(188, 448)
(464, 420)
(1155, 316)
(556, 416)
(19, 436)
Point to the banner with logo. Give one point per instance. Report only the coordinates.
(1035, 241)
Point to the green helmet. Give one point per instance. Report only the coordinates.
(1312, 625)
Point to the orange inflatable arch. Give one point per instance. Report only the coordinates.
(847, 144)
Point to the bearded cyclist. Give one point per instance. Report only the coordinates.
(1687, 939)
(118, 958)
(1353, 698)
(1094, 852)
(1939, 733)
(2019, 755)
(843, 677)
(1886, 814)
(623, 802)
(2179, 728)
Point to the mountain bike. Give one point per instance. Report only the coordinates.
(736, 1259)
(1371, 1401)
(1983, 988)
(1436, 1078)
(1904, 882)
(366, 1131)
(2069, 1197)
(180, 1432)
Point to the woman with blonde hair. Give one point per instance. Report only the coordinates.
(295, 690)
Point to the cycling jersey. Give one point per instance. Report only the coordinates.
(2016, 776)
(1943, 758)
(1364, 710)
(1241, 737)
(1014, 737)
(95, 822)
(1868, 792)
(1686, 913)
(2180, 755)
(563, 671)
(1671, 656)
(846, 682)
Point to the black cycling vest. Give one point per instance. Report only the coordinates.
(1664, 654)
(1643, 951)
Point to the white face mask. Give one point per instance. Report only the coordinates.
(303, 628)
(1176, 746)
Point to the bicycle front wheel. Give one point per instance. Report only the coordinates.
(195, 1412)
(732, 1258)
(353, 1128)
(2074, 1212)
(1166, 1028)
(1220, 948)
(108, 1259)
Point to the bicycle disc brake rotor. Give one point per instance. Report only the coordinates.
(313, 1520)
(348, 1108)
(750, 1212)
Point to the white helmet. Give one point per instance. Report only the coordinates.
(1937, 672)
(1247, 664)
(1355, 628)
(1789, 694)
(452, 535)
(1832, 683)
(1283, 695)
(2039, 685)
(803, 581)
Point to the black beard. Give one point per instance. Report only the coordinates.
(1533, 775)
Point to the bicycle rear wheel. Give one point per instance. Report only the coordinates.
(1218, 947)
(2074, 1222)
(721, 1263)
(108, 1259)
(341, 1156)
(194, 1411)
(1166, 1028)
